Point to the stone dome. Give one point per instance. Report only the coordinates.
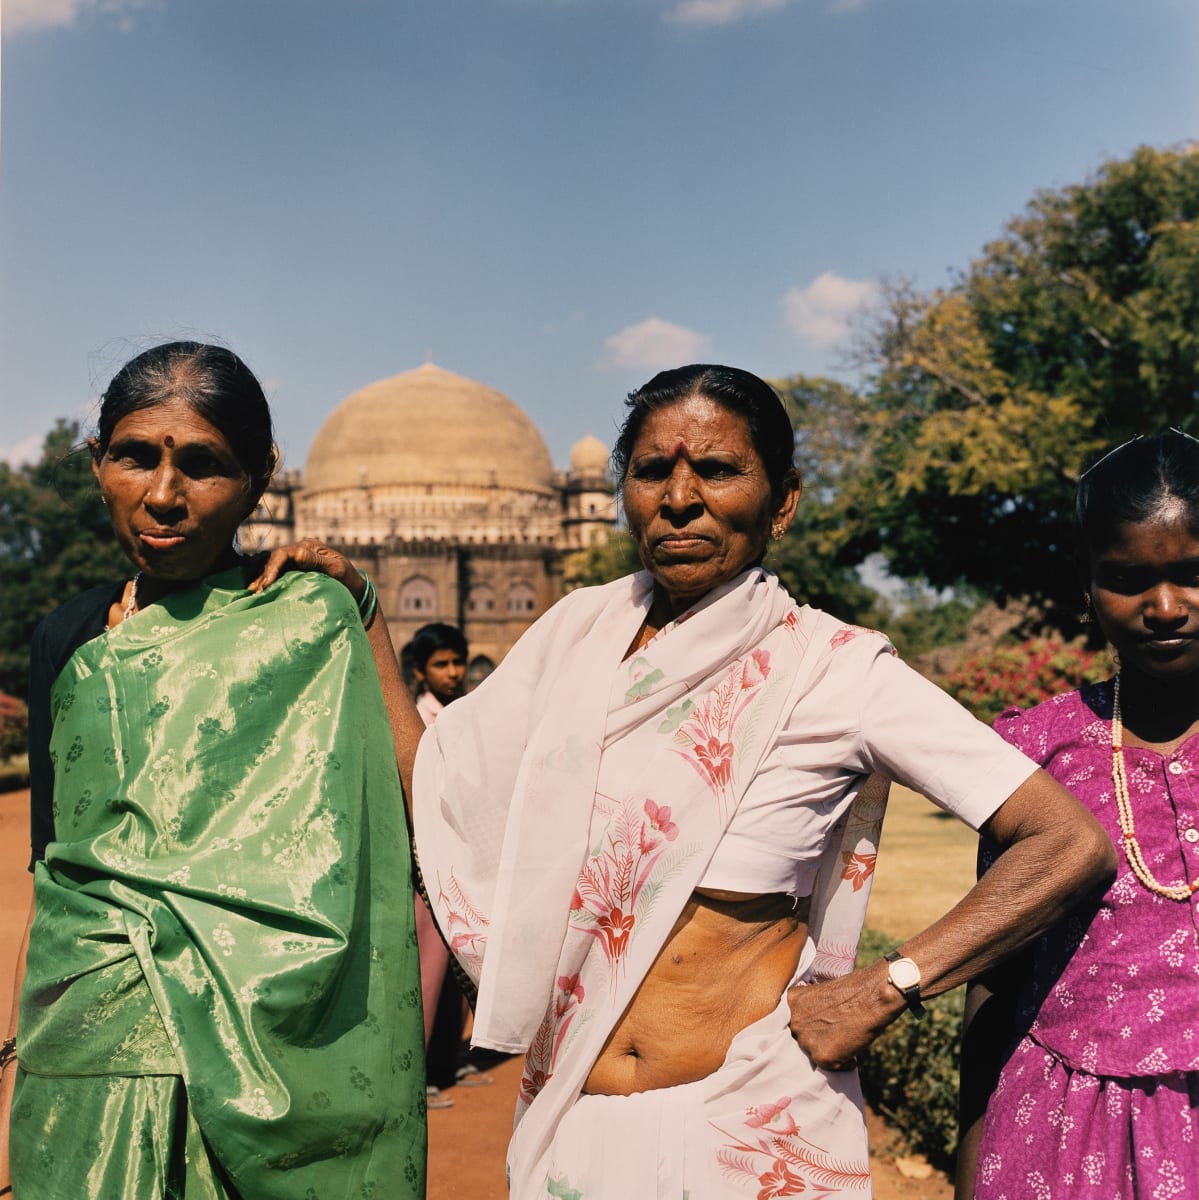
(588, 457)
(428, 427)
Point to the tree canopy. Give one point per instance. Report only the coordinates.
(1075, 330)
(55, 541)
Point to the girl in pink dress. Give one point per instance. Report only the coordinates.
(1095, 1094)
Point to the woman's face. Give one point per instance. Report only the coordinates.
(697, 498)
(1145, 593)
(174, 489)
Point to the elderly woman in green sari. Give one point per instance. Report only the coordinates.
(220, 994)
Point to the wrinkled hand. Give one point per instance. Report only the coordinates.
(310, 555)
(834, 1022)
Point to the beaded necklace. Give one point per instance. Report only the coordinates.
(1136, 860)
(130, 604)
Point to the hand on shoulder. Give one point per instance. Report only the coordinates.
(310, 555)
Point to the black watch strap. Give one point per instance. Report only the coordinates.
(911, 995)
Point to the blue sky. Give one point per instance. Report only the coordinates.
(555, 197)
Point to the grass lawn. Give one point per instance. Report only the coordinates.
(925, 866)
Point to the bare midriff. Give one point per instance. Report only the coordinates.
(725, 965)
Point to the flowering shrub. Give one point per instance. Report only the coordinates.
(14, 726)
(1023, 673)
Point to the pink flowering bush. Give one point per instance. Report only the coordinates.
(1023, 673)
(14, 726)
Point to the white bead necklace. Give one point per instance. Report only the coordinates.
(1132, 849)
(130, 604)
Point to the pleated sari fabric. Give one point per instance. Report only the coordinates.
(221, 995)
(565, 813)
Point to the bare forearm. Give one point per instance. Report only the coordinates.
(406, 723)
(1056, 855)
(19, 974)
(9, 1078)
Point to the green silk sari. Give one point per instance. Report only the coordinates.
(228, 902)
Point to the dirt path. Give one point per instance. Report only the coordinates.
(481, 1117)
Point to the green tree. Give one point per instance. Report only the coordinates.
(1075, 330)
(55, 541)
(602, 561)
(816, 560)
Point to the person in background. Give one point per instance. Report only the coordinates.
(218, 993)
(439, 667)
(649, 835)
(438, 654)
(1084, 1052)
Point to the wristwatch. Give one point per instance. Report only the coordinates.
(902, 973)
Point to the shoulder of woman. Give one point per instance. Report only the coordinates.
(85, 614)
(583, 602)
(59, 634)
(846, 643)
(1068, 711)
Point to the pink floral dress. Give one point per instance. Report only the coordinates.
(1098, 1097)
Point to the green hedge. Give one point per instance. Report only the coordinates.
(14, 773)
(910, 1074)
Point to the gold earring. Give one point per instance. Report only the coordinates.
(1087, 616)
(777, 531)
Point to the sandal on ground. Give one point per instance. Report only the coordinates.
(468, 1075)
(436, 1098)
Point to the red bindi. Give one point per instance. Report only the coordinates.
(169, 442)
(680, 451)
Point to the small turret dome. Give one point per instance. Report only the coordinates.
(589, 456)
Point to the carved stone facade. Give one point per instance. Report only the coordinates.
(443, 491)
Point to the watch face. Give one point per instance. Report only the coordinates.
(905, 974)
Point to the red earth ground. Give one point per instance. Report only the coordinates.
(466, 1142)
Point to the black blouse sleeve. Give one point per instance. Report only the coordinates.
(56, 638)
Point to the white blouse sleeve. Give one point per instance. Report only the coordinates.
(913, 732)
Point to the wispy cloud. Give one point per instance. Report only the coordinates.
(821, 311)
(27, 451)
(652, 344)
(28, 16)
(720, 12)
(726, 12)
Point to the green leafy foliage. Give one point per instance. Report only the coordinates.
(1075, 330)
(55, 541)
(1023, 674)
(927, 622)
(602, 561)
(815, 560)
(910, 1073)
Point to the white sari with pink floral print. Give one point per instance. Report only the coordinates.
(566, 811)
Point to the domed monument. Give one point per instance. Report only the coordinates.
(443, 490)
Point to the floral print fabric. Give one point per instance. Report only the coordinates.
(1098, 1097)
(567, 809)
(227, 902)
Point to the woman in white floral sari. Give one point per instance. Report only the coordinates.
(647, 834)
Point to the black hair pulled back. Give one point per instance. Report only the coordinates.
(1136, 482)
(214, 383)
(732, 388)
